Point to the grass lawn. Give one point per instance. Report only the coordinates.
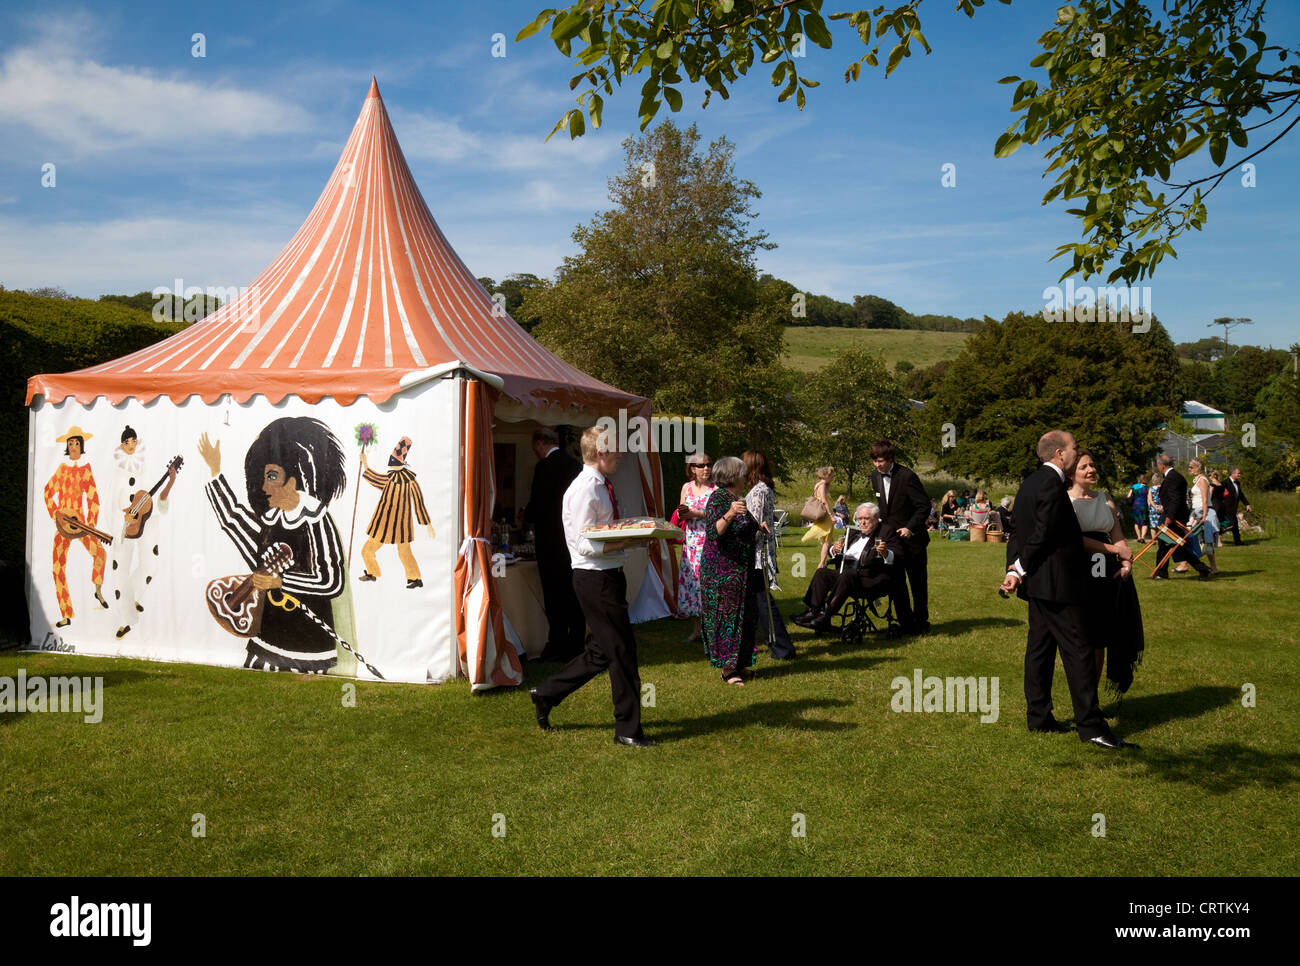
(409, 781)
(808, 348)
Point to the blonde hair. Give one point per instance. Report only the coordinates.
(595, 440)
(950, 495)
(980, 496)
(1194, 462)
(825, 472)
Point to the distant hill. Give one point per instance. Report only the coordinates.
(808, 348)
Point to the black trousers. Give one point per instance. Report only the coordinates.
(914, 562)
(603, 596)
(829, 590)
(758, 602)
(567, 627)
(1236, 531)
(1052, 627)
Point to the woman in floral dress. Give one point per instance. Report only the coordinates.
(727, 573)
(694, 497)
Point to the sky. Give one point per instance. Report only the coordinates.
(171, 166)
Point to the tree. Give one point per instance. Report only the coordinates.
(847, 405)
(873, 312)
(663, 298)
(1240, 377)
(1128, 92)
(513, 288)
(1016, 379)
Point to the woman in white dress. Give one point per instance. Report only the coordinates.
(1203, 510)
(1113, 615)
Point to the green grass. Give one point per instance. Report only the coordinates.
(408, 781)
(808, 348)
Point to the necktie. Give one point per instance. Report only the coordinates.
(609, 488)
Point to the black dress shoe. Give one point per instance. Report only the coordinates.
(1159, 576)
(1205, 575)
(367, 575)
(412, 584)
(639, 742)
(1111, 742)
(805, 619)
(542, 706)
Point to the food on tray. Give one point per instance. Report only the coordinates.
(635, 528)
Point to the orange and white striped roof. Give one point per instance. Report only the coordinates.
(368, 291)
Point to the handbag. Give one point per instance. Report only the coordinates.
(814, 510)
(681, 524)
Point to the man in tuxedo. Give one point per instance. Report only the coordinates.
(1233, 497)
(1176, 511)
(904, 508)
(1048, 567)
(867, 564)
(555, 470)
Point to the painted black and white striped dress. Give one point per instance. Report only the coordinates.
(289, 639)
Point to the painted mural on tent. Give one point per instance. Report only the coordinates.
(248, 536)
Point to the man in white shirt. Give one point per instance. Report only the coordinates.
(601, 588)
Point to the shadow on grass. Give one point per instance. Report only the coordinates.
(1225, 767)
(1148, 710)
(774, 714)
(111, 679)
(973, 623)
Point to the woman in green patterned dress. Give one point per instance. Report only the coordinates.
(726, 571)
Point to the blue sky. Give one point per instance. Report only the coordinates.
(169, 166)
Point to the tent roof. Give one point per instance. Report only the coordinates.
(367, 292)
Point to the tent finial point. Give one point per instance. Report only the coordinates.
(374, 88)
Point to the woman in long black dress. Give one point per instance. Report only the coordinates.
(1114, 617)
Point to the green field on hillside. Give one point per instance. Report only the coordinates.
(808, 348)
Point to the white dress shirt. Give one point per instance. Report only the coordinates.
(586, 504)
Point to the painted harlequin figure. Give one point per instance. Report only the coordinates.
(72, 491)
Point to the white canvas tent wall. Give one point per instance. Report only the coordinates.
(367, 316)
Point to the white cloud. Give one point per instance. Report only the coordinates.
(89, 107)
(431, 137)
(127, 255)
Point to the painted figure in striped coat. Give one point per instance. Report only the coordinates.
(399, 495)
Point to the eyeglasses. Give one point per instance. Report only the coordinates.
(698, 466)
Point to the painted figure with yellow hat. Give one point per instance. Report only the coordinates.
(72, 491)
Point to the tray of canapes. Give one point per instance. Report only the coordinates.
(635, 528)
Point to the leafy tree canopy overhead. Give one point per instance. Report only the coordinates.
(1018, 378)
(1125, 93)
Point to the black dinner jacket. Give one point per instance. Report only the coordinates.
(870, 561)
(1173, 497)
(545, 502)
(1231, 499)
(1047, 540)
(908, 506)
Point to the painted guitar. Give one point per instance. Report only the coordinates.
(236, 604)
(137, 514)
(71, 526)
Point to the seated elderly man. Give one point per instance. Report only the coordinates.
(866, 564)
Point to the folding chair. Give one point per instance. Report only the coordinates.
(779, 519)
(1168, 535)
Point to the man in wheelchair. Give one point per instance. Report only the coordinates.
(867, 564)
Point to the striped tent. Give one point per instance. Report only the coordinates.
(367, 316)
